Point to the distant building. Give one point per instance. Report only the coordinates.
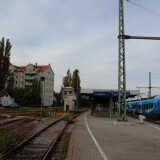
(69, 98)
(5, 99)
(24, 76)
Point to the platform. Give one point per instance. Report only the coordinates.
(107, 141)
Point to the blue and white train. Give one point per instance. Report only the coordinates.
(144, 106)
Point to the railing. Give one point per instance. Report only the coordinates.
(29, 78)
(28, 84)
(30, 72)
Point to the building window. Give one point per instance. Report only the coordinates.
(70, 92)
(65, 93)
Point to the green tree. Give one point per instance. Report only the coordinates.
(10, 83)
(73, 80)
(22, 96)
(4, 62)
(28, 96)
(76, 81)
(67, 80)
(76, 85)
(36, 92)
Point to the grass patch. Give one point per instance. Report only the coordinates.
(65, 145)
(69, 120)
(62, 147)
(24, 111)
(9, 138)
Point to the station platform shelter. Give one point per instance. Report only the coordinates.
(105, 98)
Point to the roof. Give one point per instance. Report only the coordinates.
(91, 91)
(40, 68)
(68, 88)
(21, 67)
(87, 91)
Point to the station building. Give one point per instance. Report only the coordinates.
(104, 97)
(96, 97)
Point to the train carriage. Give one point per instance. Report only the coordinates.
(144, 106)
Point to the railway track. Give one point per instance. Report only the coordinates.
(40, 145)
(13, 120)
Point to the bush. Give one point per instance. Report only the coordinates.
(69, 120)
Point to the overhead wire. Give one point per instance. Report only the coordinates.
(144, 8)
(157, 76)
(148, 10)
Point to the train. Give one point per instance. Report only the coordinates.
(144, 107)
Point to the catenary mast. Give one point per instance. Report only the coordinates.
(121, 64)
(121, 67)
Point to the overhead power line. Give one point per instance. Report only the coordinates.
(144, 8)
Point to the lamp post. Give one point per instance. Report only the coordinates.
(111, 94)
(77, 94)
(61, 103)
(42, 96)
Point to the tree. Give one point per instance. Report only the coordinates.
(28, 96)
(4, 62)
(73, 80)
(76, 85)
(22, 96)
(67, 80)
(36, 92)
(76, 81)
(10, 83)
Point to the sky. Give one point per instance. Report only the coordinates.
(82, 34)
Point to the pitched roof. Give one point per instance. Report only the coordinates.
(42, 68)
(21, 67)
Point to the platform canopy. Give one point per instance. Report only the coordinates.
(107, 93)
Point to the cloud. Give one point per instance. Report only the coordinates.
(83, 35)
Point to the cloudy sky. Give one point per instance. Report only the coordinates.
(82, 34)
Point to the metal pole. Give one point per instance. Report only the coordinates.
(149, 95)
(43, 92)
(111, 94)
(42, 95)
(138, 37)
(41, 100)
(121, 67)
(77, 90)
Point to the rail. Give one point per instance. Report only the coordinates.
(28, 141)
